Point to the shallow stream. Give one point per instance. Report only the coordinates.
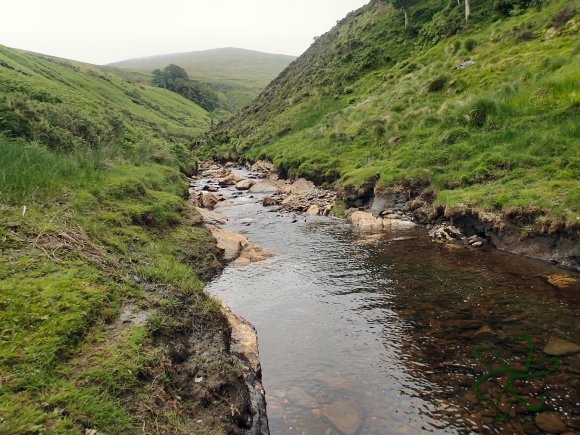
(377, 335)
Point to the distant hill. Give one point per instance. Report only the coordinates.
(240, 75)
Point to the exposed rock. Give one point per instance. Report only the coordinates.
(262, 166)
(345, 415)
(245, 184)
(229, 242)
(271, 200)
(313, 210)
(211, 216)
(446, 232)
(252, 253)
(365, 221)
(264, 187)
(465, 64)
(230, 180)
(208, 200)
(396, 224)
(300, 187)
(301, 398)
(559, 347)
(550, 423)
(293, 200)
(244, 346)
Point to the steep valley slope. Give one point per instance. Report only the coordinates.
(475, 119)
(104, 324)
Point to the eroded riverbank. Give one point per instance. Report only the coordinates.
(375, 333)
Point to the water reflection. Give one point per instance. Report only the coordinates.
(378, 333)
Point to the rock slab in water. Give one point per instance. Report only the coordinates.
(301, 398)
(559, 347)
(345, 415)
(550, 423)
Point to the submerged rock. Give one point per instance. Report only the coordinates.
(550, 423)
(301, 398)
(345, 415)
(559, 347)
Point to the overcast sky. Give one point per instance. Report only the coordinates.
(104, 31)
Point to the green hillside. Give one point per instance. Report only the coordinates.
(102, 316)
(399, 108)
(239, 75)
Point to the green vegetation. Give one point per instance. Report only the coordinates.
(102, 261)
(373, 98)
(175, 79)
(236, 75)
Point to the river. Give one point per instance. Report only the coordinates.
(372, 335)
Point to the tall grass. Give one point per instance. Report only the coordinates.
(31, 172)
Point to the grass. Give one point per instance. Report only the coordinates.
(501, 133)
(93, 225)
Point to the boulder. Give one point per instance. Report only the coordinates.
(208, 200)
(245, 184)
(559, 347)
(230, 180)
(271, 200)
(300, 187)
(345, 415)
(264, 187)
(313, 210)
(365, 221)
(291, 201)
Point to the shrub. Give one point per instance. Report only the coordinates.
(470, 44)
(437, 84)
(481, 109)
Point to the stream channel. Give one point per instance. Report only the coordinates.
(376, 335)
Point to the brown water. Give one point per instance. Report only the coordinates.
(388, 326)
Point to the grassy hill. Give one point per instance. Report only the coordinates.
(480, 114)
(240, 75)
(102, 261)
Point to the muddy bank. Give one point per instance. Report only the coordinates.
(237, 250)
(518, 231)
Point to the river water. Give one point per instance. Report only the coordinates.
(377, 336)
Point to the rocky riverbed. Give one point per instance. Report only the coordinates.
(375, 326)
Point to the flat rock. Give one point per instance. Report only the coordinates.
(264, 187)
(396, 224)
(559, 347)
(301, 398)
(228, 241)
(550, 423)
(345, 415)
